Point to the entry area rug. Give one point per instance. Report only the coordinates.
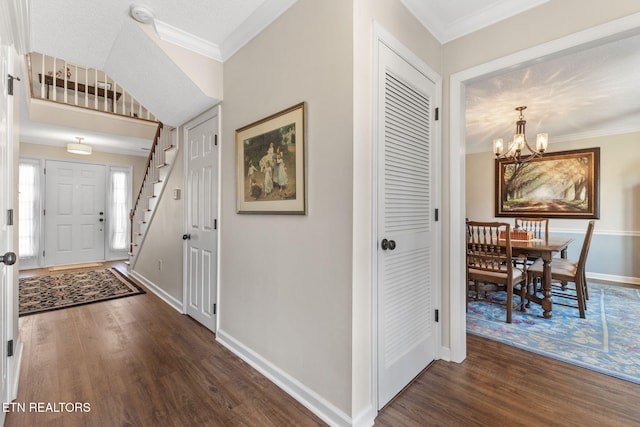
(607, 341)
(57, 291)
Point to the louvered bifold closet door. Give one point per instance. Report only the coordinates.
(405, 310)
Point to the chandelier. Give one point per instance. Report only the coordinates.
(519, 143)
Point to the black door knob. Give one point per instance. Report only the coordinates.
(186, 237)
(388, 244)
(8, 259)
(384, 244)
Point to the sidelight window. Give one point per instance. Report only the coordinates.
(119, 205)
(29, 210)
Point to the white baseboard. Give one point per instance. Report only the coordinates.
(366, 418)
(159, 292)
(307, 397)
(613, 278)
(445, 354)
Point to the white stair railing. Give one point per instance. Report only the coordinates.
(57, 80)
(160, 158)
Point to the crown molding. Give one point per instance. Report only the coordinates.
(267, 13)
(446, 31)
(260, 19)
(488, 16)
(187, 40)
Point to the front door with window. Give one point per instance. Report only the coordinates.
(74, 212)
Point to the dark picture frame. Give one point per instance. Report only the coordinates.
(270, 164)
(564, 184)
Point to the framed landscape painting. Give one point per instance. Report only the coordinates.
(270, 157)
(564, 184)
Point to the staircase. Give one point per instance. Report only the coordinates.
(56, 83)
(161, 158)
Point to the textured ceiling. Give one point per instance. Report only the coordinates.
(590, 93)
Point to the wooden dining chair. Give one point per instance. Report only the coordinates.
(538, 226)
(564, 270)
(489, 260)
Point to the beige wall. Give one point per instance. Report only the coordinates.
(163, 243)
(285, 280)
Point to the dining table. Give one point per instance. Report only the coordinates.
(543, 248)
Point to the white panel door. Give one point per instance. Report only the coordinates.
(202, 210)
(74, 212)
(407, 338)
(6, 182)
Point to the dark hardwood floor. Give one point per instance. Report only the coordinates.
(500, 385)
(138, 362)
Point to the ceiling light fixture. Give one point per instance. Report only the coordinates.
(141, 13)
(79, 147)
(514, 152)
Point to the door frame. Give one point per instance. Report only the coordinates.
(42, 161)
(215, 112)
(623, 27)
(382, 36)
(9, 322)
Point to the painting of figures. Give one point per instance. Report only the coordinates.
(270, 156)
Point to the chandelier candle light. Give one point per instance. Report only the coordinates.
(519, 142)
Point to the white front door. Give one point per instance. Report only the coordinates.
(201, 168)
(74, 212)
(6, 244)
(406, 290)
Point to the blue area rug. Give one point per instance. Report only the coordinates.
(607, 341)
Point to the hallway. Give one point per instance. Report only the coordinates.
(136, 361)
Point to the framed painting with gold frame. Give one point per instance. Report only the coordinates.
(564, 184)
(270, 164)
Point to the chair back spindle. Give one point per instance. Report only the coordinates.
(538, 226)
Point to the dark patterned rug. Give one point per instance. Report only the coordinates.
(46, 293)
